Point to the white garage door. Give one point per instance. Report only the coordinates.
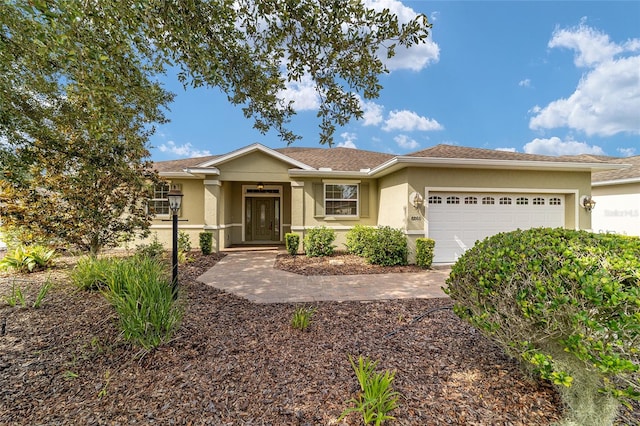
(458, 220)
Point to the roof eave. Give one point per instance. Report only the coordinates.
(252, 148)
(616, 182)
(328, 173)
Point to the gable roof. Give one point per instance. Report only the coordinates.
(340, 161)
(619, 176)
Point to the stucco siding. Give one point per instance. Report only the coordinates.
(254, 167)
(617, 209)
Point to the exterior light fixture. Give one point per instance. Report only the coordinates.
(175, 200)
(260, 186)
(416, 200)
(588, 202)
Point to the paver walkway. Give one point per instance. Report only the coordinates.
(250, 274)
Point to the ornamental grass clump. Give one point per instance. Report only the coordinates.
(565, 303)
(140, 290)
(90, 273)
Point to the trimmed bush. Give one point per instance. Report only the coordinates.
(359, 238)
(206, 242)
(424, 252)
(292, 242)
(566, 304)
(319, 242)
(388, 247)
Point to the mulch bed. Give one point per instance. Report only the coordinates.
(338, 264)
(233, 362)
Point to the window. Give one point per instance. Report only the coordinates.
(434, 199)
(522, 201)
(341, 200)
(470, 200)
(538, 201)
(488, 200)
(555, 202)
(505, 201)
(453, 200)
(159, 203)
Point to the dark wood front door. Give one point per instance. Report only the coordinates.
(263, 219)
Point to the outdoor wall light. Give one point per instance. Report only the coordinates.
(260, 186)
(588, 202)
(416, 200)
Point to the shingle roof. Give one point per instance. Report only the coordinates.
(180, 165)
(452, 151)
(342, 159)
(632, 172)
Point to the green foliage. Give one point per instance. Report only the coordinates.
(388, 247)
(302, 318)
(359, 238)
(292, 242)
(424, 252)
(16, 297)
(29, 258)
(153, 250)
(140, 290)
(319, 242)
(91, 273)
(184, 246)
(206, 242)
(377, 398)
(567, 303)
(42, 293)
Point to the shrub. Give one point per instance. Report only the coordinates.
(153, 250)
(302, 318)
(388, 247)
(424, 252)
(319, 242)
(90, 273)
(184, 246)
(359, 238)
(206, 242)
(29, 258)
(140, 290)
(292, 242)
(566, 304)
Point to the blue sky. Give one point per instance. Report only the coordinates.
(543, 77)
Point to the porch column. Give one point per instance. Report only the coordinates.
(211, 210)
(297, 208)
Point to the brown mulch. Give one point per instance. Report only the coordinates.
(337, 264)
(233, 362)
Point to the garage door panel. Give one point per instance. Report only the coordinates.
(457, 227)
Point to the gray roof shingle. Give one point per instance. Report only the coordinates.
(632, 172)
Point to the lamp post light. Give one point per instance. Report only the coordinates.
(175, 200)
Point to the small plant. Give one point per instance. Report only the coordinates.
(292, 242)
(42, 294)
(16, 297)
(154, 249)
(90, 273)
(206, 242)
(302, 318)
(376, 398)
(184, 246)
(107, 378)
(70, 375)
(388, 247)
(140, 291)
(29, 258)
(424, 252)
(319, 242)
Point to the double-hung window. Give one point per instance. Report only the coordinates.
(341, 199)
(159, 203)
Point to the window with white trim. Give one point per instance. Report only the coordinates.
(538, 201)
(453, 200)
(159, 203)
(341, 199)
(488, 200)
(555, 202)
(522, 201)
(435, 199)
(505, 201)
(470, 200)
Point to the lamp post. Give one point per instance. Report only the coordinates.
(175, 200)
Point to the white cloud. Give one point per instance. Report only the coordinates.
(408, 121)
(406, 142)
(372, 113)
(184, 150)
(627, 152)
(507, 149)
(556, 146)
(607, 98)
(525, 83)
(348, 140)
(416, 57)
(303, 93)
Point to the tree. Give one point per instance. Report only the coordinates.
(79, 96)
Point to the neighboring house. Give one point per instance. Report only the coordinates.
(453, 194)
(617, 196)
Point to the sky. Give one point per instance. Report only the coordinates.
(540, 77)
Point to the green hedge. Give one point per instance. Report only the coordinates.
(359, 238)
(319, 242)
(424, 252)
(567, 304)
(388, 247)
(292, 242)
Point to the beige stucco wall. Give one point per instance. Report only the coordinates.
(254, 167)
(617, 208)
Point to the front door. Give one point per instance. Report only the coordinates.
(264, 219)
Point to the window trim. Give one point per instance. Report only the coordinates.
(326, 199)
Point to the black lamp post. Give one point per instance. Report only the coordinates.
(175, 200)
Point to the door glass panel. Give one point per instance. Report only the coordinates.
(276, 209)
